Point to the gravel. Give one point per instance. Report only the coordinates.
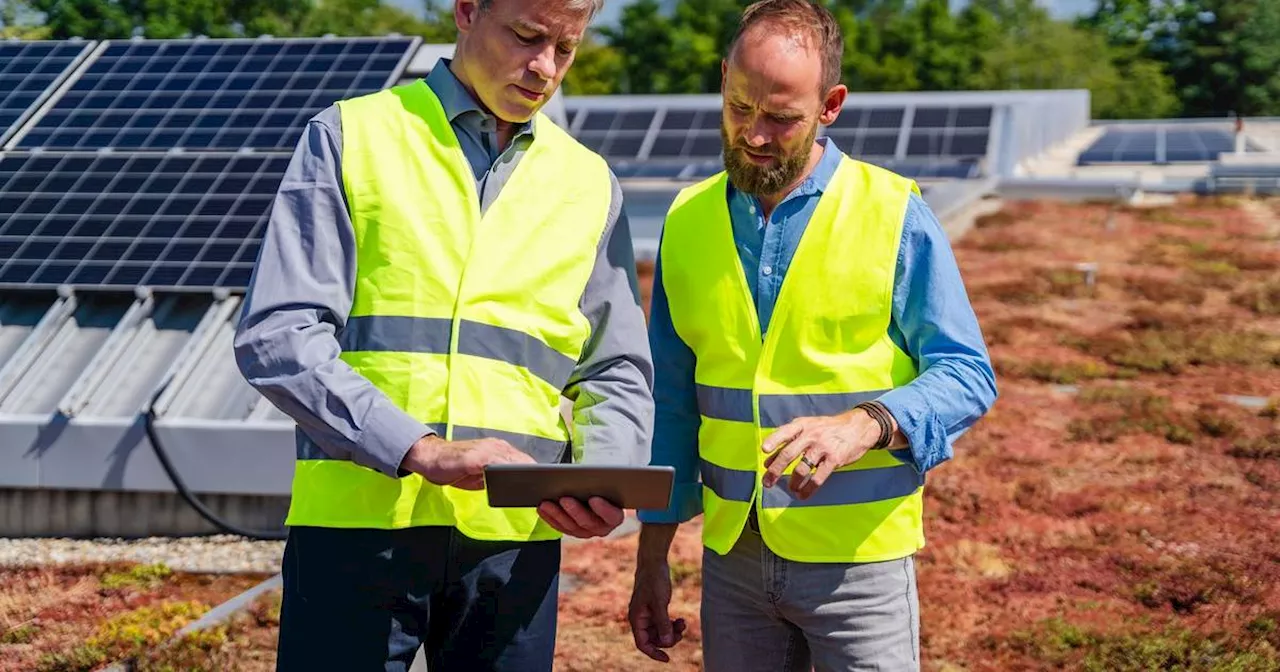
(205, 555)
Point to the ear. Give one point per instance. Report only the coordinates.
(724, 73)
(465, 13)
(832, 103)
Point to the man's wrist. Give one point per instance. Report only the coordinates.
(881, 425)
(655, 544)
(421, 452)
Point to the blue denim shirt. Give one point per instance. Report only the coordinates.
(932, 322)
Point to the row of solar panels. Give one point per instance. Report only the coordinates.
(682, 138)
(154, 163)
(193, 94)
(1161, 144)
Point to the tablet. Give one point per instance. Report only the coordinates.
(528, 485)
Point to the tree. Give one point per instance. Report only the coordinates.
(643, 39)
(116, 19)
(1142, 90)
(18, 21)
(1228, 58)
(372, 17)
(597, 69)
(1223, 55)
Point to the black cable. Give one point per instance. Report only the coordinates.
(181, 486)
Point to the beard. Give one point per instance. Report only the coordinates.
(769, 179)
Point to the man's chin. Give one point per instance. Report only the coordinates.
(517, 114)
(756, 182)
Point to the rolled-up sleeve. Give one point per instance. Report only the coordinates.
(299, 297)
(676, 421)
(934, 323)
(612, 385)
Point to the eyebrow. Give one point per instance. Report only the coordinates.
(780, 114)
(543, 31)
(531, 27)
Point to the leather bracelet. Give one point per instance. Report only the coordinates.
(883, 419)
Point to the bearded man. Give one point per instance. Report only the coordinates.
(816, 354)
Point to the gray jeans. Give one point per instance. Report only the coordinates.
(761, 612)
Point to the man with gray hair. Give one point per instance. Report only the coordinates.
(816, 355)
(441, 266)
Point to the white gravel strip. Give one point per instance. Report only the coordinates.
(217, 554)
(205, 555)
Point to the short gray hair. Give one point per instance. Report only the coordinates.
(581, 5)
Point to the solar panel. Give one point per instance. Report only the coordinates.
(683, 142)
(212, 94)
(121, 220)
(29, 71)
(616, 133)
(688, 134)
(1161, 144)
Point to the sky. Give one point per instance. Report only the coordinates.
(612, 8)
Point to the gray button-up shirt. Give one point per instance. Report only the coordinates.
(301, 293)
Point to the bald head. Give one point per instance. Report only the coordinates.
(780, 27)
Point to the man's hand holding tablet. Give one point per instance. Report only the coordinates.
(570, 517)
(579, 500)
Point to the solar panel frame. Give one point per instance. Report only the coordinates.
(30, 71)
(191, 221)
(211, 95)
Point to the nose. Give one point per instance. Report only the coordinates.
(544, 63)
(755, 135)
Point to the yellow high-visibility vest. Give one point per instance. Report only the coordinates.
(827, 349)
(468, 322)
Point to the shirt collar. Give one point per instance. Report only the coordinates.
(815, 183)
(458, 102)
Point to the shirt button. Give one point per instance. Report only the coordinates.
(751, 209)
(768, 270)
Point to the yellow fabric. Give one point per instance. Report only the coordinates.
(424, 250)
(828, 335)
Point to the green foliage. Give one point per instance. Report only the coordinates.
(137, 576)
(686, 572)
(21, 634)
(1059, 643)
(195, 652)
(79, 659)
(103, 19)
(597, 69)
(107, 19)
(144, 627)
(373, 17)
(1063, 373)
(19, 21)
(129, 635)
(1128, 411)
(1222, 55)
(673, 53)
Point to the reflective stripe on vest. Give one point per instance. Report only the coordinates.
(827, 350)
(384, 333)
(467, 321)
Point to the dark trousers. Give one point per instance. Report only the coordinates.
(358, 600)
